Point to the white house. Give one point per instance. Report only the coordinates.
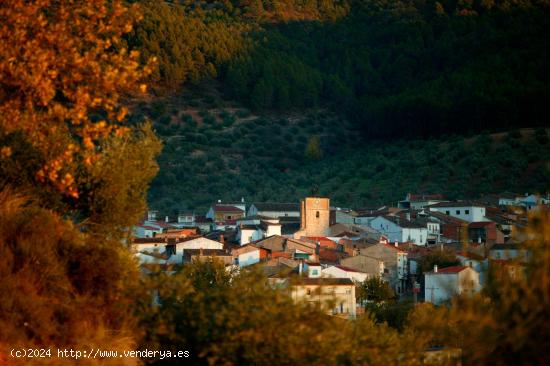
(464, 210)
(146, 231)
(186, 218)
(246, 255)
(252, 229)
(176, 249)
(274, 209)
(400, 230)
(345, 272)
(477, 262)
(335, 295)
(441, 285)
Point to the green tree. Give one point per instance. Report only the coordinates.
(313, 148)
(375, 290)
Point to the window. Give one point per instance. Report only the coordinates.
(467, 212)
(448, 212)
(317, 214)
(309, 291)
(458, 212)
(314, 272)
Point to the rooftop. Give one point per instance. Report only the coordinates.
(276, 206)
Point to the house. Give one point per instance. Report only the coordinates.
(477, 262)
(186, 218)
(485, 232)
(146, 231)
(179, 233)
(395, 263)
(464, 210)
(315, 217)
(398, 229)
(175, 248)
(441, 285)
(150, 250)
(314, 269)
(204, 224)
(345, 272)
(248, 233)
(192, 255)
(221, 213)
(362, 263)
(274, 210)
(246, 255)
(508, 252)
(253, 228)
(419, 201)
(335, 295)
(451, 229)
(344, 216)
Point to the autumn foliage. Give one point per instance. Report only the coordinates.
(63, 70)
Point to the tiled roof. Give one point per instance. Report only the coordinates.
(347, 269)
(149, 240)
(404, 222)
(224, 208)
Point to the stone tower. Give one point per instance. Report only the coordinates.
(315, 214)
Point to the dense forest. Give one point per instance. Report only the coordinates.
(394, 68)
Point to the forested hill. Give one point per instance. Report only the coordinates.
(394, 68)
(215, 149)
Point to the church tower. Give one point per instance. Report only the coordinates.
(315, 215)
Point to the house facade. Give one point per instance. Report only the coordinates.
(440, 285)
(274, 209)
(345, 272)
(463, 210)
(400, 230)
(335, 295)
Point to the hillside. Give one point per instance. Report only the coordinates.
(216, 149)
(364, 100)
(395, 68)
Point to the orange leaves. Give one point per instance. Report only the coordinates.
(58, 64)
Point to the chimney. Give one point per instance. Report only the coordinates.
(242, 199)
(435, 268)
(200, 252)
(300, 268)
(396, 245)
(408, 215)
(166, 219)
(222, 239)
(219, 201)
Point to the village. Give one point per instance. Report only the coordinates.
(320, 253)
